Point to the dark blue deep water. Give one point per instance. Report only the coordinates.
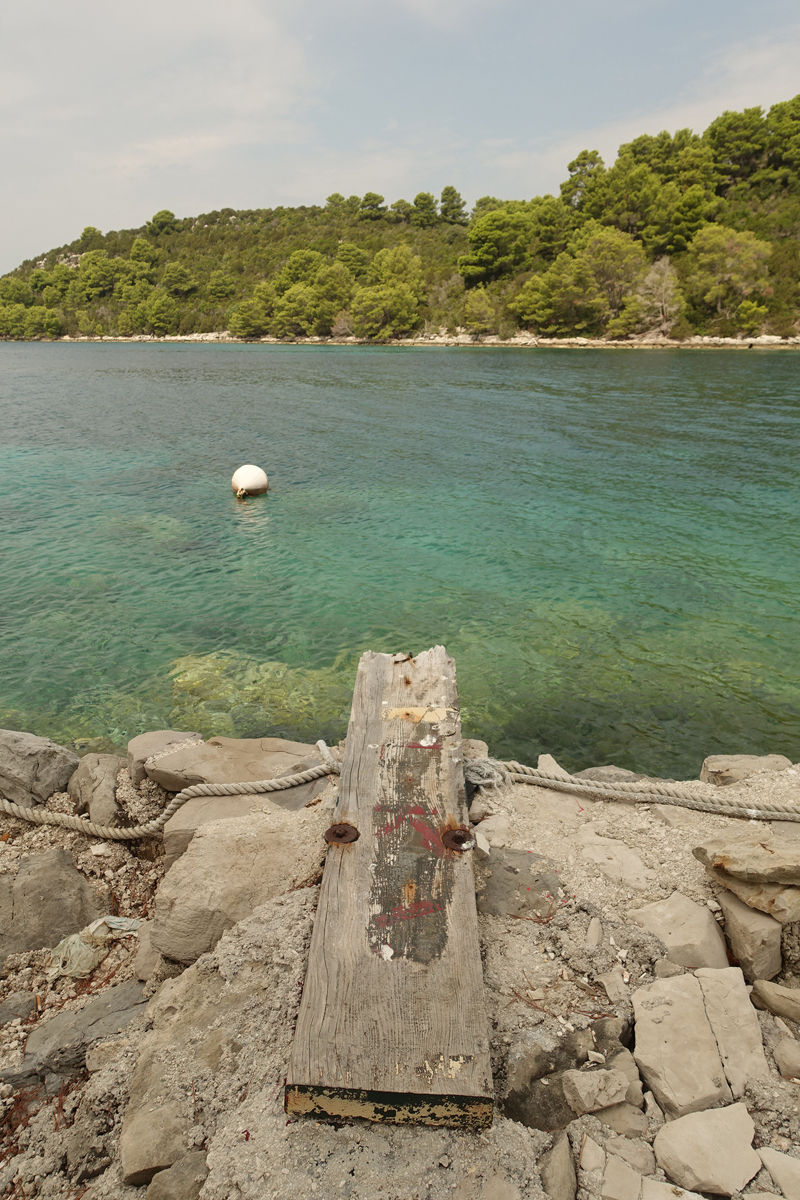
(607, 542)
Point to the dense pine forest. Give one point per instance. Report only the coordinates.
(682, 235)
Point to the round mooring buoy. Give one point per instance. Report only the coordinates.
(249, 481)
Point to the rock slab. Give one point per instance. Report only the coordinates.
(557, 1170)
(725, 769)
(586, 1091)
(230, 760)
(58, 1045)
(93, 787)
(228, 870)
(182, 1181)
(688, 930)
(33, 768)
(735, 1026)
(709, 1151)
(147, 745)
(754, 936)
(755, 858)
(782, 1001)
(47, 900)
(784, 1170)
(676, 1051)
(520, 883)
(779, 900)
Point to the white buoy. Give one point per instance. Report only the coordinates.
(249, 481)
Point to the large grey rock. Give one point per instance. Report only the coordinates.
(146, 745)
(521, 883)
(93, 787)
(614, 859)
(58, 1046)
(784, 1170)
(754, 936)
(182, 1181)
(180, 829)
(17, 1005)
(787, 1057)
(637, 1155)
(692, 936)
(782, 1001)
(779, 900)
(47, 900)
(620, 1181)
(755, 858)
(229, 869)
(724, 769)
(709, 1151)
(609, 774)
(676, 1051)
(148, 959)
(230, 760)
(33, 768)
(557, 1170)
(586, 1091)
(735, 1026)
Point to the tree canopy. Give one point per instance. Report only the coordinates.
(683, 233)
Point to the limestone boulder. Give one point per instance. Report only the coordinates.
(150, 745)
(586, 1091)
(787, 1057)
(688, 930)
(778, 900)
(148, 959)
(182, 1181)
(57, 1046)
(709, 1151)
(33, 768)
(230, 760)
(724, 769)
(676, 1051)
(46, 900)
(782, 1001)
(557, 1169)
(754, 936)
(17, 1005)
(229, 869)
(93, 787)
(637, 1155)
(620, 1181)
(784, 1170)
(735, 1026)
(755, 858)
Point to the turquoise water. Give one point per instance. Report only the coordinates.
(608, 543)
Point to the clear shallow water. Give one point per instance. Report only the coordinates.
(608, 543)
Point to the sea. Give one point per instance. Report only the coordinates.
(606, 541)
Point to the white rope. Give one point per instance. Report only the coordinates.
(483, 772)
(123, 833)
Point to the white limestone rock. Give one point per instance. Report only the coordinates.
(692, 936)
(676, 1051)
(146, 745)
(620, 1182)
(784, 1170)
(709, 1151)
(735, 1026)
(754, 936)
(725, 769)
(586, 1091)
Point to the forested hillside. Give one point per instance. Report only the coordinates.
(683, 234)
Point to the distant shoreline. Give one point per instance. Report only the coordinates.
(520, 341)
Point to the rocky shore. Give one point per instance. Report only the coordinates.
(520, 340)
(641, 979)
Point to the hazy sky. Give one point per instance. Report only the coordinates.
(111, 112)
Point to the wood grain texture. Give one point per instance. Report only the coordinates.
(392, 1023)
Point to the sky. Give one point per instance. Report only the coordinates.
(110, 112)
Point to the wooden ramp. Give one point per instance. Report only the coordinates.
(392, 1024)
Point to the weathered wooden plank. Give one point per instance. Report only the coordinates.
(392, 1023)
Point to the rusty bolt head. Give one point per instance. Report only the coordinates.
(458, 839)
(340, 835)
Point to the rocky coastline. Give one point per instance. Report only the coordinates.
(519, 341)
(641, 979)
